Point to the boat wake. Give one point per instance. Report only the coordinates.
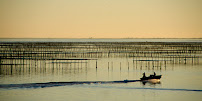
(168, 89)
(56, 84)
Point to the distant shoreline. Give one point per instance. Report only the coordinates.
(100, 40)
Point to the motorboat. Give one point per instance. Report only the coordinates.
(151, 77)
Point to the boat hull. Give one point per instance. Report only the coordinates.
(158, 77)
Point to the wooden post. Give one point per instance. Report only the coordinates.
(96, 64)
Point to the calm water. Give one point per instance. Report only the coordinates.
(180, 81)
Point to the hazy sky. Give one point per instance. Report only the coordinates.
(100, 18)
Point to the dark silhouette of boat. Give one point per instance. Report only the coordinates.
(157, 77)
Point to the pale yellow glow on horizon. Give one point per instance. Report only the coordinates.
(100, 18)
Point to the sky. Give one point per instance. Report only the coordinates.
(100, 18)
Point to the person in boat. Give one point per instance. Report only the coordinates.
(154, 74)
(144, 75)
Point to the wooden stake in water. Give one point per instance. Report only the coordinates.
(96, 64)
(120, 66)
(108, 65)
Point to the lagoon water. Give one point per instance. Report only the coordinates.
(181, 73)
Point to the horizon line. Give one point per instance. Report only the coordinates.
(100, 38)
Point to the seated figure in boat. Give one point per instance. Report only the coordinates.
(150, 77)
(143, 75)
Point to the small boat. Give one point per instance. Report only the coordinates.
(151, 77)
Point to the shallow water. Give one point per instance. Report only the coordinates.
(180, 80)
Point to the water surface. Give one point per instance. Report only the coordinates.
(179, 66)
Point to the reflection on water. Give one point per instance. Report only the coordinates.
(42, 66)
(35, 63)
(151, 82)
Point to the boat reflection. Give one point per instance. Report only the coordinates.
(151, 82)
